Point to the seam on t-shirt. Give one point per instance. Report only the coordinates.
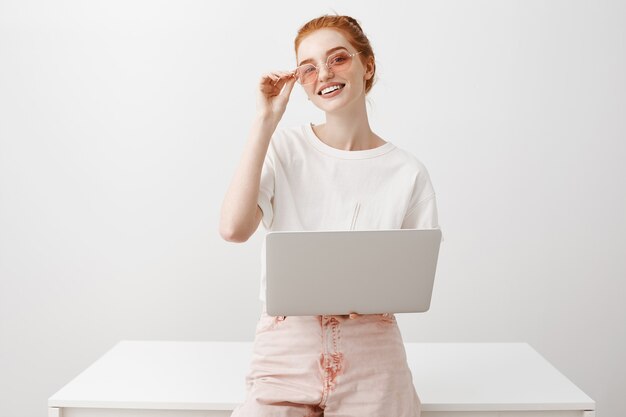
(306, 139)
(412, 209)
(350, 159)
(355, 215)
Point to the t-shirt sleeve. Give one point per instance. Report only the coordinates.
(422, 211)
(266, 187)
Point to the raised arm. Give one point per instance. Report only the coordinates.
(240, 214)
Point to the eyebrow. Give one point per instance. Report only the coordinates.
(327, 52)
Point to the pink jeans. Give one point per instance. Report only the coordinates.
(331, 366)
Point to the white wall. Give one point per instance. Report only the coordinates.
(121, 123)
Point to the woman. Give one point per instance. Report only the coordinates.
(333, 176)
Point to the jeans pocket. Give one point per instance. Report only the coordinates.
(267, 322)
(387, 318)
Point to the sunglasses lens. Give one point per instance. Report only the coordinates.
(306, 74)
(338, 62)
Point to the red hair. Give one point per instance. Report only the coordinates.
(348, 27)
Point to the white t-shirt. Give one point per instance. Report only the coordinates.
(309, 185)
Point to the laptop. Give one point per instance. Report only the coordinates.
(356, 271)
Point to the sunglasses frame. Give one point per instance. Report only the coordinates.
(317, 67)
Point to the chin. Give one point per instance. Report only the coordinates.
(334, 104)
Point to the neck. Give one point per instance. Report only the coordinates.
(348, 129)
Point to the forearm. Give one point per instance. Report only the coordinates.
(237, 220)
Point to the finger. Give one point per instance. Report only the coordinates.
(354, 315)
(289, 86)
(274, 79)
(283, 76)
(269, 77)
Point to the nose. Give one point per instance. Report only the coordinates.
(325, 73)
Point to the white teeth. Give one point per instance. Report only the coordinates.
(332, 88)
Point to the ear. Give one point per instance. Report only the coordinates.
(369, 68)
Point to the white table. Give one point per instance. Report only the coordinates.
(185, 379)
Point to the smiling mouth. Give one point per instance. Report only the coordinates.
(332, 91)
